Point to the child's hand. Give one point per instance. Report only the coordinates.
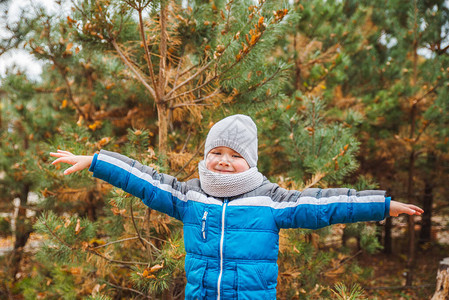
(397, 208)
(78, 162)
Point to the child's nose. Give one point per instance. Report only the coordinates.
(223, 162)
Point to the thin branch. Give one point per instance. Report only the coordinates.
(128, 289)
(134, 224)
(57, 237)
(418, 136)
(190, 104)
(116, 241)
(399, 287)
(32, 208)
(187, 71)
(417, 100)
(177, 70)
(187, 140)
(147, 54)
(265, 81)
(93, 251)
(342, 262)
(176, 87)
(116, 261)
(163, 48)
(133, 69)
(193, 156)
(188, 175)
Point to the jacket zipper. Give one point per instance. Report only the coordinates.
(225, 203)
(203, 225)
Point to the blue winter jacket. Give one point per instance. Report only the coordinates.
(232, 243)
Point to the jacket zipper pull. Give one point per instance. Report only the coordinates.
(203, 225)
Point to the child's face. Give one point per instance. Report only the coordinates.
(226, 161)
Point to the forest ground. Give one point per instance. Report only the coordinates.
(389, 273)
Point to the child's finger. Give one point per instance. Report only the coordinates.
(70, 170)
(418, 209)
(54, 154)
(75, 168)
(63, 159)
(65, 152)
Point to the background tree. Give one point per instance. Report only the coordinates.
(403, 91)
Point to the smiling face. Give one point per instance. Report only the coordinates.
(226, 161)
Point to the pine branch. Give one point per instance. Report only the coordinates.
(258, 85)
(186, 141)
(57, 237)
(135, 226)
(136, 72)
(193, 156)
(128, 289)
(147, 54)
(421, 131)
(163, 48)
(61, 70)
(342, 262)
(117, 241)
(121, 262)
(216, 76)
(93, 251)
(176, 87)
(195, 102)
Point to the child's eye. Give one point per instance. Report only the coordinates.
(238, 156)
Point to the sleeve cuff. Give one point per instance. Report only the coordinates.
(94, 161)
(387, 206)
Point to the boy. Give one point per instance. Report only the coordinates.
(232, 214)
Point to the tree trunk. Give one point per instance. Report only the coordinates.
(22, 232)
(411, 225)
(426, 226)
(387, 238)
(442, 289)
(162, 113)
(162, 105)
(411, 169)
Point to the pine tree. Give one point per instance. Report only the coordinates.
(190, 57)
(312, 135)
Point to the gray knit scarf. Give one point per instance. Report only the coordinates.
(228, 185)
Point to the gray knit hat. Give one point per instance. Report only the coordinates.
(238, 132)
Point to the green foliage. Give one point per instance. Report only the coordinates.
(310, 144)
(307, 269)
(57, 283)
(98, 297)
(342, 292)
(168, 269)
(64, 237)
(5, 227)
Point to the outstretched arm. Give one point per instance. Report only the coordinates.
(397, 208)
(158, 191)
(78, 162)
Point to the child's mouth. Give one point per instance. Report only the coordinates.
(224, 171)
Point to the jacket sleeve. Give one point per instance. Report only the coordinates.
(317, 208)
(158, 191)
